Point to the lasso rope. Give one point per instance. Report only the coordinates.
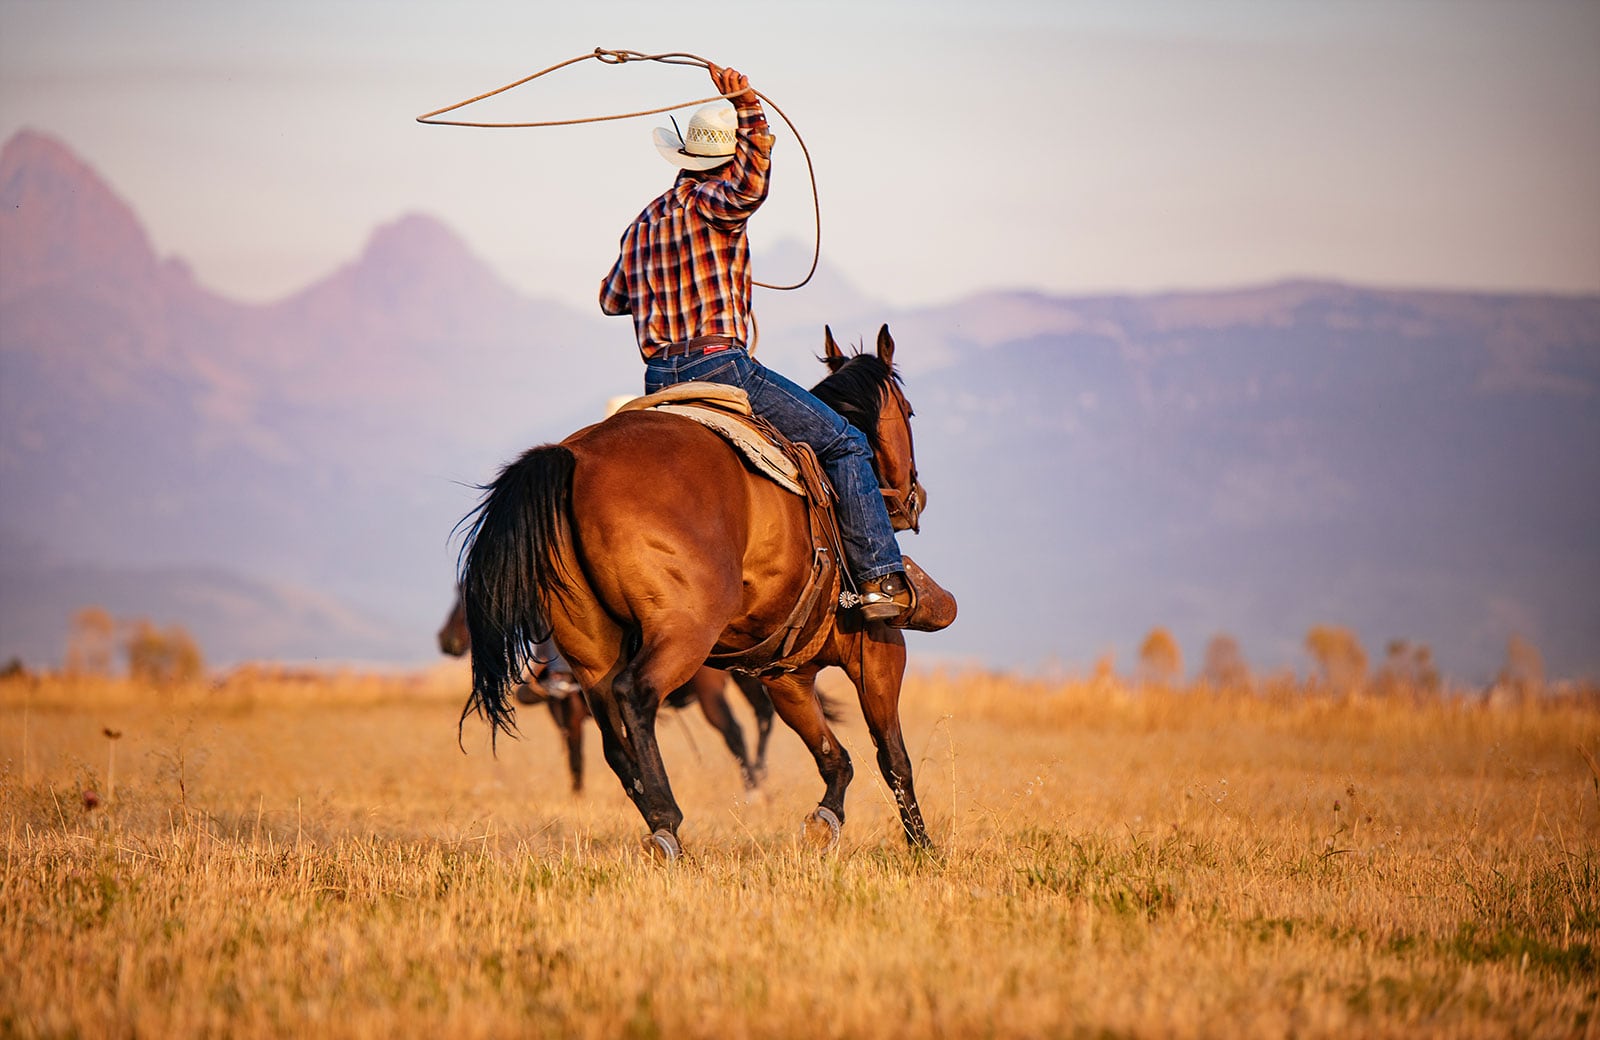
(621, 57)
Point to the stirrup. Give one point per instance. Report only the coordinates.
(880, 603)
(933, 607)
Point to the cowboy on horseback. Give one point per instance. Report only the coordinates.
(683, 272)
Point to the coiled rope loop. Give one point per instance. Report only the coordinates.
(622, 57)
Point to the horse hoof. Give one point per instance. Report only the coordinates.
(821, 829)
(663, 845)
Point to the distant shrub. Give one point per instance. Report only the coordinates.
(1341, 663)
(1225, 667)
(1160, 660)
(1408, 670)
(1521, 678)
(91, 643)
(162, 656)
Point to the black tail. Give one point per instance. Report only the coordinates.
(509, 567)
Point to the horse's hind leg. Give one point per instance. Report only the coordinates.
(876, 665)
(620, 733)
(761, 704)
(660, 666)
(794, 696)
(652, 792)
(569, 713)
(710, 686)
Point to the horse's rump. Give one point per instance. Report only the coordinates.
(672, 527)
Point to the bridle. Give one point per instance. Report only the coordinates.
(905, 504)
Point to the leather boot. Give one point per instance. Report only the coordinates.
(888, 597)
(908, 599)
(932, 607)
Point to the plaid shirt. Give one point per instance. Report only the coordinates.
(684, 265)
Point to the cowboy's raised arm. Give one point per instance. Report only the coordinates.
(735, 85)
(732, 198)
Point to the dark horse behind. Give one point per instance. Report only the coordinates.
(646, 547)
(707, 688)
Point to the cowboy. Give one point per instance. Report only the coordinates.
(549, 676)
(684, 274)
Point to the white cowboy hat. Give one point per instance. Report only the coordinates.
(712, 131)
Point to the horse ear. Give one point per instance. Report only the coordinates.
(886, 346)
(831, 354)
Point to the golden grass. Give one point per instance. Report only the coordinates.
(289, 856)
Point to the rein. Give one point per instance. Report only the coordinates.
(904, 504)
(622, 57)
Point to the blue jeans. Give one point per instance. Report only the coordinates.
(841, 448)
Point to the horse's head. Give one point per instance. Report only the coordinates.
(865, 389)
(453, 637)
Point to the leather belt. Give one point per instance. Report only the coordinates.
(696, 346)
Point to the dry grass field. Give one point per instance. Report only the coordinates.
(315, 856)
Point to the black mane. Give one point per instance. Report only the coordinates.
(855, 390)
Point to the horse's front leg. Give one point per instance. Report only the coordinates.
(794, 695)
(876, 664)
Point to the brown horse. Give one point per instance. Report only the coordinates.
(646, 547)
(707, 688)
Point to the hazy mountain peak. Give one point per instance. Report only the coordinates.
(31, 150)
(415, 235)
(414, 268)
(61, 222)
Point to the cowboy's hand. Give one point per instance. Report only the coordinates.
(734, 83)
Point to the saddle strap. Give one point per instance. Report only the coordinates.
(782, 651)
(778, 652)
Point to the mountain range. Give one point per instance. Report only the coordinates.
(283, 479)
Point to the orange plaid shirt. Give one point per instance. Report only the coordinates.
(683, 269)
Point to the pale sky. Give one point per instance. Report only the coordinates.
(1066, 147)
